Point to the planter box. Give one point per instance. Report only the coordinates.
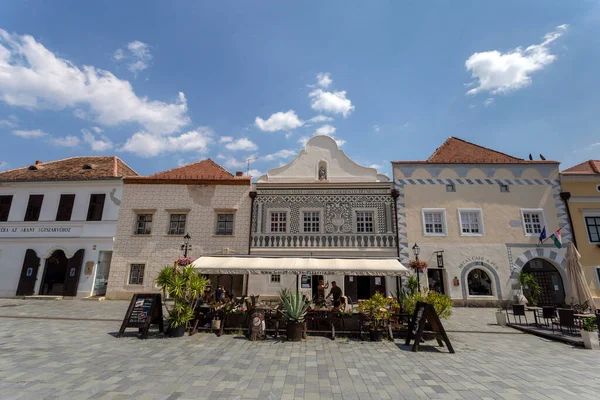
(235, 320)
(590, 340)
(501, 318)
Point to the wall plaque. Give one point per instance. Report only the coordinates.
(89, 268)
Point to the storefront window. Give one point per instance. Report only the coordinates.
(479, 283)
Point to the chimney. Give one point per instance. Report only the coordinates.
(239, 173)
(38, 162)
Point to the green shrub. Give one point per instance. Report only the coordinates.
(294, 305)
(441, 303)
(377, 309)
(531, 288)
(589, 324)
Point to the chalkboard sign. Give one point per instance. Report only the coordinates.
(144, 310)
(425, 312)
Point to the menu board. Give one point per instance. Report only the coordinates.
(305, 281)
(144, 310)
(425, 312)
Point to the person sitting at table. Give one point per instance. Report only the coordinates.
(337, 294)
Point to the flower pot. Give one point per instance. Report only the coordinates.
(376, 336)
(590, 340)
(178, 331)
(216, 324)
(501, 318)
(294, 331)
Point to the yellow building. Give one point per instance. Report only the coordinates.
(581, 186)
(482, 211)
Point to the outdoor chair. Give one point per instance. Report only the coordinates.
(549, 313)
(519, 311)
(566, 318)
(580, 308)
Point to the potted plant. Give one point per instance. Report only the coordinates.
(184, 287)
(441, 303)
(293, 308)
(531, 288)
(377, 310)
(590, 333)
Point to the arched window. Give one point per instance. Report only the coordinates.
(479, 283)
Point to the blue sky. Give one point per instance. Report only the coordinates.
(167, 83)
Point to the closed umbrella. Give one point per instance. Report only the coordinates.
(579, 292)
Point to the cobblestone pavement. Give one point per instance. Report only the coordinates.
(81, 359)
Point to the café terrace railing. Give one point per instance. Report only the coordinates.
(284, 240)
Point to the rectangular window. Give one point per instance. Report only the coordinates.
(504, 188)
(533, 221)
(593, 227)
(434, 222)
(177, 225)
(364, 221)
(275, 278)
(5, 203)
(96, 207)
(143, 224)
(34, 207)
(471, 222)
(224, 224)
(136, 274)
(311, 222)
(450, 187)
(278, 222)
(65, 207)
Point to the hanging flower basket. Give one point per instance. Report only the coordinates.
(417, 265)
(183, 261)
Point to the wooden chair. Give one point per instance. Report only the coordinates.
(549, 313)
(566, 318)
(519, 311)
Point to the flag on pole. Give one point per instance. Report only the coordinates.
(556, 238)
(542, 235)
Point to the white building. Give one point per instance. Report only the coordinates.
(57, 226)
(200, 199)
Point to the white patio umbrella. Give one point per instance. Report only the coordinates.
(579, 292)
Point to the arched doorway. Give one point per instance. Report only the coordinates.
(55, 274)
(549, 279)
(479, 283)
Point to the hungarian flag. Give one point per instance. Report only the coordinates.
(543, 235)
(556, 238)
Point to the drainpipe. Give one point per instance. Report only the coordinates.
(565, 196)
(395, 195)
(252, 195)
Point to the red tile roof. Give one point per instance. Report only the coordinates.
(459, 151)
(590, 167)
(205, 171)
(71, 169)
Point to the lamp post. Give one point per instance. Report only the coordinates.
(416, 250)
(186, 244)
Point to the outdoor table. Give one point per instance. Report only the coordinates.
(535, 313)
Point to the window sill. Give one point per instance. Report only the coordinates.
(224, 236)
(472, 234)
(135, 284)
(140, 235)
(435, 234)
(482, 297)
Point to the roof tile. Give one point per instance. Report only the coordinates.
(589, 167)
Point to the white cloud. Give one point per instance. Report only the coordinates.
(325, 130)
(472, 106)
(376, 128)
(225, 139)
(324, 79)
(96, 129)
(99, 144)
(281, 154)
(319, 118)
(4, 123)
(3, 165)
(67, 141)
(34, 77)
(138, 56)
(147, 145)
(254, 173)
(242, 144)
(304, 139)
(221, 156)
(288, 135)
(333, 102)
(35, 133)
(497, 72)
(376, 166)
(488, 102)
(232, 162)
(280, 121)
(119, 55)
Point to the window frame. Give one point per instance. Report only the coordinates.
(319, 222)
(10, 201)
(218, 213)
(597, 269)
(70, 212)
(451, 188)
(444, 221)
(185, 221)
(587, 215)
(504, 185)
(279, 211)
(372, 211)
(39, 212)
(494, 295)
(90, 217)
(542, 220)
(129, 274)
(275, 282)
(137, 221)
(480, 221)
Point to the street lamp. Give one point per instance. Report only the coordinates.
(186, 244)
(416, 250)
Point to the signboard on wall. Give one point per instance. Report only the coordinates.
(40, 231)
(305, 282)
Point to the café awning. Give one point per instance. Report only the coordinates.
(242, 265)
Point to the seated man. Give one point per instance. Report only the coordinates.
(337, 294)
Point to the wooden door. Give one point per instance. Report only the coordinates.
(28, 274)
(73, 272)
(351, 288)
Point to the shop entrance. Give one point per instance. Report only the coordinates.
(435, 278)
(28, 274)
(61, 274)
(548, 277)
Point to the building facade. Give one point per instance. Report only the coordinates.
(57, 226)
(482, 212)
(322, 204)
(581, 188)
(200, 199)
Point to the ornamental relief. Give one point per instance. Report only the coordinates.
(338, 218)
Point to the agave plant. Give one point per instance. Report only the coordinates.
(294, 305)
